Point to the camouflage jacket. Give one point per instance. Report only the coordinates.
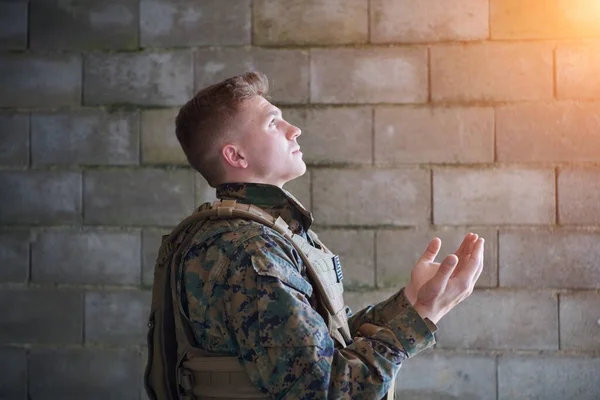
(245, 289)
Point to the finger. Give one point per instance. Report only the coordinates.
(471, 245)
(471, 264)
(480, 258)
(477, 253)
(432, 250)
(468, 246)
(478, 274)
(443, 274)
(464, 256)
(462, 246)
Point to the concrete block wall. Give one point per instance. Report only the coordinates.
(420, 118)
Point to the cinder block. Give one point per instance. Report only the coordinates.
(204, 192)
(550, 19)
(40, 197)
(117, 317)
(13, 373)
(149, 78)
(398, 252)
(553, 377)
(550, 132)
(579, 196)
(359, 300)
(297, 22)
(41, 316)
(84, 374)
(356, 249)
(434, 135)
(88, 138)
(295, 116)
(14, 139)
(300, 189)
(346, 75)
(287, 70)
(83, 25)
(502, 320)
(492, 72)
(543, 259)
(151, 239)
(580, 321)
(29, 80)
(409, 21)
(168, 23)
(435, 376)
(86, 257)
(159, 141)
(371, 197)
(14, 256)
(13, 25)
(334, 135)
(577, 71)
(464, 196)
(139, 197)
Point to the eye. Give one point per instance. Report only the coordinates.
(272, 123)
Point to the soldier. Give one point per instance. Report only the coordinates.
(247, 302)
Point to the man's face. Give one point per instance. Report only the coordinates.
(268, 142)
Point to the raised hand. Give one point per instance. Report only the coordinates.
(423, 270)
(453, 282)
(426, 267)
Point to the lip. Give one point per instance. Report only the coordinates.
(296, 151)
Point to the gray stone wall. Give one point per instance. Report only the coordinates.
(419, 117)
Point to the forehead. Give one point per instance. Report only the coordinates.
(257, 107)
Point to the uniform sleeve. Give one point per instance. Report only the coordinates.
(284, 343)
(395, 308)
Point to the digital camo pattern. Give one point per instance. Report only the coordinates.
(247, 294)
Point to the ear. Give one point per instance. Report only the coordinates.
(234, 156)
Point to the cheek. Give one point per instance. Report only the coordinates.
(274, 148)
(276, 155)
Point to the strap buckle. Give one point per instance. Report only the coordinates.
(282, 227)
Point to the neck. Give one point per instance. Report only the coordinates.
(252, 178)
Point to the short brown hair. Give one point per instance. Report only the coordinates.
(206, 117)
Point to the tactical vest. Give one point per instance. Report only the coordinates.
(176, 369)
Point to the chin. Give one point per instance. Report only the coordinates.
(301, 169)
(296, 173)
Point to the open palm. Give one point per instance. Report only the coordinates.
(426, 267)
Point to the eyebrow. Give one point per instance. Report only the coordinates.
(274, 112)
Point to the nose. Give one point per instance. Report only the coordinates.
(293, 132)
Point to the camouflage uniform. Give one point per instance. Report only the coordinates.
(245, 289)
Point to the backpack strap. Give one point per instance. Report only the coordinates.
(183, 332)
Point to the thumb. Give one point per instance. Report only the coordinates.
(432, 250)
(443, 274)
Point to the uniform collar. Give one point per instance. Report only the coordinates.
(274, 200)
